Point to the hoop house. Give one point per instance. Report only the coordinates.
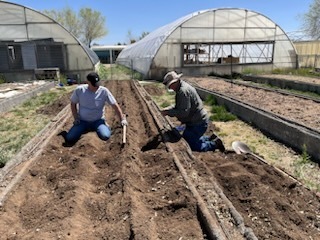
(217, 41)
(30, 40)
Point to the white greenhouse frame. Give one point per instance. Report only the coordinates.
(220, 41)
(30, 40)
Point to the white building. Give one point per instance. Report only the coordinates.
(108, 53)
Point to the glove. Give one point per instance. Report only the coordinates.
(76, 121)
(124, 122)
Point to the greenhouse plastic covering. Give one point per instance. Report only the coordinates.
(162, 47)
(23, 24)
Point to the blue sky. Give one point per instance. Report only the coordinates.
(138, 16)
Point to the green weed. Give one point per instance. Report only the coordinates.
(219, 113)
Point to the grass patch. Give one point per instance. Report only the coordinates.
(21, 124)
(307, 72)
(165, 100)
(218, 113)
(117, 72)
(303, 169)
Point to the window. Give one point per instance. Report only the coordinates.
(11, 53)
(227, 53)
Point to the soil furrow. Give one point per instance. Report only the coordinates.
(104, 190)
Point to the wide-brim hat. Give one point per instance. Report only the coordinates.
(171, 77)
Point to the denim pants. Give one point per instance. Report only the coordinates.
(194, 137)
(103, 131)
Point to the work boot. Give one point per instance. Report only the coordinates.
(63, 134)
(213, 137)
(219, 145)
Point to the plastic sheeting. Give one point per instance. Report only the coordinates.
(23, 24)
(162, 48)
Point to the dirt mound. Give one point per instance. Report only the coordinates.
(273, 205)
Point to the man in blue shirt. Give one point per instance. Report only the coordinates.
(87, 105)
(189, 110)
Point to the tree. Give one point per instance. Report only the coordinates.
(67, 18)
(143, 34)
(87, 25)
(93, 25)
(311, 20)
(133, 39)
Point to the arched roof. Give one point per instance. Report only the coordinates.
(20, 23)
(148, 46)
(225, 24)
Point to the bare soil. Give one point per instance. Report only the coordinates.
(302, 111)
(107, 190)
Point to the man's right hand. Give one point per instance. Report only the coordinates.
(164, 113)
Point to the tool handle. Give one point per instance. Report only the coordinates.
(124, 134)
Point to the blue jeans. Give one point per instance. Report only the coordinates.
(99, 126)
(194, 137)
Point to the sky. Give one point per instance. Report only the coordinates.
(138, 16)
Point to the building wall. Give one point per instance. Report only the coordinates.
(108, 54)
(308, 53)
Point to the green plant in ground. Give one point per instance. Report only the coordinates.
(288, 71)
(40, 100)
(102, 71)
(166, 99)
(303, 170)
(210, 100)
(305, 158)
(165, 104)
(309, 72)
(218, 113)
(2, 78)
(300, 164)
(116, 71)
(3, 157)
(63, 79)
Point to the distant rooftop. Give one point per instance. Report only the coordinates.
(108, 47)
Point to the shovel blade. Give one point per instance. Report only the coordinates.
(240, 147)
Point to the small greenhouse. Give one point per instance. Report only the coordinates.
(218, 41)
(31, 42)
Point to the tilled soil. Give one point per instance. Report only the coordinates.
(107, 190)
(302, 111)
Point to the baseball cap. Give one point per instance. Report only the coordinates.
(93, 78)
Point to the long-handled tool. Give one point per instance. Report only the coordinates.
(124, 132)
(124, 135)
(240, 147)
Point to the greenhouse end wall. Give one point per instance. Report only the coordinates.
(31, 40)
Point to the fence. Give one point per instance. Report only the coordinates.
(309, 61)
